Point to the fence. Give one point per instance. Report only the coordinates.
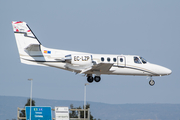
(79, 114)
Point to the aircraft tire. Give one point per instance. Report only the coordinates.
(90, 79)
(151, 82)
(97, 78)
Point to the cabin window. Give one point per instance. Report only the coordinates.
(108, 59)
(136, 60)
(114, 59)
(121, 59)
(102, 59)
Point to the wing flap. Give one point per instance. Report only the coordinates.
(103, 67)
(85, 70)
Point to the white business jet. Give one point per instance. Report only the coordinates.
(32, 52)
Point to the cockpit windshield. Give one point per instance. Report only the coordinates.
(137, 60)
(143, 60)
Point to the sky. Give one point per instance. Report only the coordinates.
(150, 29)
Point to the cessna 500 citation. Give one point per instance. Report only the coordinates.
(32, 52)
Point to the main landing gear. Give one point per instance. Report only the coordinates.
(151, 82)
(96, 79)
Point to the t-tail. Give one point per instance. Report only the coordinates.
(28, 45)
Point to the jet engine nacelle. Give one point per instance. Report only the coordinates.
(79, 59)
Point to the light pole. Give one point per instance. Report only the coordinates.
(30, 97)
(85, 99)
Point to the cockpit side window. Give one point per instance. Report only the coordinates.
(143, 60)
(136, 60)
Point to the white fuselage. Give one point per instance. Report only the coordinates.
(122, 64)
(32, 52)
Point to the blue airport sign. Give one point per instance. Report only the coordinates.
(38, 113)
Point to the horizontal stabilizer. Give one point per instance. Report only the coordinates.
(33, 47)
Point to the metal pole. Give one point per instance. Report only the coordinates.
(30, 97)
(85, 100)
(18, 113)
(88, 113)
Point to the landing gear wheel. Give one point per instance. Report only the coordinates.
(151, 82)
(90, 79)
(97, 78)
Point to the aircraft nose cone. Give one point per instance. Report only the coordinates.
(168, 71)
(165, 71)
(161, 71)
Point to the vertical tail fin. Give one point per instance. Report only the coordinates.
(28, 45)
(25, 38)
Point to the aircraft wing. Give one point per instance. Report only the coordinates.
(102, 67)
(99, 67)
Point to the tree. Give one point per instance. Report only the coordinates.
(74, 114)
(23, 112)
(91, 117)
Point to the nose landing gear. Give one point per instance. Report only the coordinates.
(151, 82)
